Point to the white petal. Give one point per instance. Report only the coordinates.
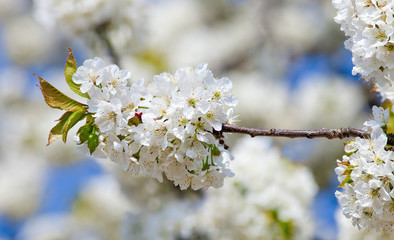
(231, 100)
(86, 86)
(191, 154)
(124, 162)
(374, 183)
(217, 126)
(203, 106)
(377, 205)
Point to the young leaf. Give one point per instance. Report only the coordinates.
(390, 124)
(56, 99)
(71, 121)
(93, 141)
(56, 132)
(84, 132)
(69, 70)
(348, 179)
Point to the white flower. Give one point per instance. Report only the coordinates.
(220, 89)
(371, 195)
(192, 96)
(91, 73)
(115, 78)
(215, 117)
(380, 117)
(117, 150)
(109, 115)
(148, 163)
(179, 125)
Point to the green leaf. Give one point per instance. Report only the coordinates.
(69, 70)
(84, 132)
(71, 121)
(56, 99)
(387, 104)
(348, 170)
(93, 141)
(389, 128)
(56, 132)
(348, 179)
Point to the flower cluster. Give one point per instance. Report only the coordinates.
(369, 26)
(170, 124)
(366, 176)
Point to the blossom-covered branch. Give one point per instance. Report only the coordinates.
(324, 133)
(163, 126)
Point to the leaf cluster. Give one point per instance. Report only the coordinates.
(75, 111)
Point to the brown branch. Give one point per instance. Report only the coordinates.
(324, 133)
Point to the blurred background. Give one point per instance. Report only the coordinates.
(289, 70)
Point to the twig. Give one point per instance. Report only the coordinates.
(324, 133)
